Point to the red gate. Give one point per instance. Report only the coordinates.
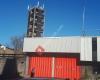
(66, 68)
(42, 66)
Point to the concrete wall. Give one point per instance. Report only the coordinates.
(6, 51)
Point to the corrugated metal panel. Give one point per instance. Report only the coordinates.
(86, 49)
(63, 67)
(98, 48)
(67, 68)
(42, 66)
(61, 44)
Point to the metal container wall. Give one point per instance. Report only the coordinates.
(42, 66)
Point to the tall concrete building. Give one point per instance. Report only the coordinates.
(35, 21)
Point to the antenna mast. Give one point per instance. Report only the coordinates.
(38, 4)
(83, 26)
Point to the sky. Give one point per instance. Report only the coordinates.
(62, 17)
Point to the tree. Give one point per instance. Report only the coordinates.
(17, 44)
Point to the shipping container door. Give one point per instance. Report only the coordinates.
(42, 66)
(66, 68)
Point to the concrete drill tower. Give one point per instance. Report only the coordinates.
(35, 21)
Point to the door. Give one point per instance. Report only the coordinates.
(57, 67)
(42, 66)
(66, 68)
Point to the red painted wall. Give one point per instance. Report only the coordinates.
(64, 67)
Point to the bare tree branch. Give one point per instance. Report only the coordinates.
(17, 43)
